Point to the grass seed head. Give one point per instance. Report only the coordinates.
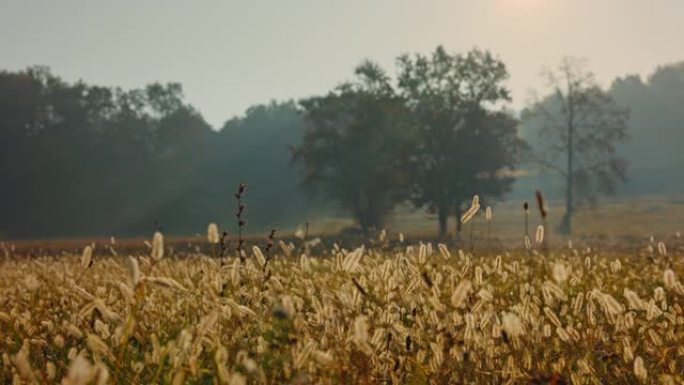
(213, 234)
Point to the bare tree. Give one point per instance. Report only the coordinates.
(579, 127)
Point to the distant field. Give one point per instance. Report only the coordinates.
(617, 222)
(613, 219)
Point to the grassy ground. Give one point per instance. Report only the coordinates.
(481, 311)
(614, 222)
(623, 223)
(402, 314)
(637, 217)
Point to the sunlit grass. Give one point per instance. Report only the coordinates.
(401, 314)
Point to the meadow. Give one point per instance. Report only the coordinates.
(391, 312)
(616, 222)
(133, 252)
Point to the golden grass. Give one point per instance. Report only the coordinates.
(421, 314)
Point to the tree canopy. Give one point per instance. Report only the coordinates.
(80, 160)
(355, 143)
(464, 146)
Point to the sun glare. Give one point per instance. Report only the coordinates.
(521, 5)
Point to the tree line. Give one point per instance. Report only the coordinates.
(82, 160)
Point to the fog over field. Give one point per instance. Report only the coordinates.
(156, 109)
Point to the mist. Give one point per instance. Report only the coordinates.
(130, 117)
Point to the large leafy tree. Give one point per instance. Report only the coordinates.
(464, 148)
(579, 128)
(355, 141)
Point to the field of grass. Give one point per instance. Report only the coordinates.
(616, 223)
(386, 313)
(614, 219)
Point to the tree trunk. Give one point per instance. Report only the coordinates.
(443, 217)
(362, 211)
(566, 223)
(459, 225)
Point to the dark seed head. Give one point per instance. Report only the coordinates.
(279, 312)
(504, 335)
(540, 203)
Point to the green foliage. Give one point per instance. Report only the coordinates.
(121, 161)
(355, 145)
(464, 147)
(88, 160)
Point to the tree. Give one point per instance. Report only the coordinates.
(463, 148)
(580, 125)
(255, 148)
(653, 151)
(355, 140)
(23, 114)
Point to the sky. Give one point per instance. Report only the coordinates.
(231, 54)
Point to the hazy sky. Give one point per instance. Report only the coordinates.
(231, 54)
